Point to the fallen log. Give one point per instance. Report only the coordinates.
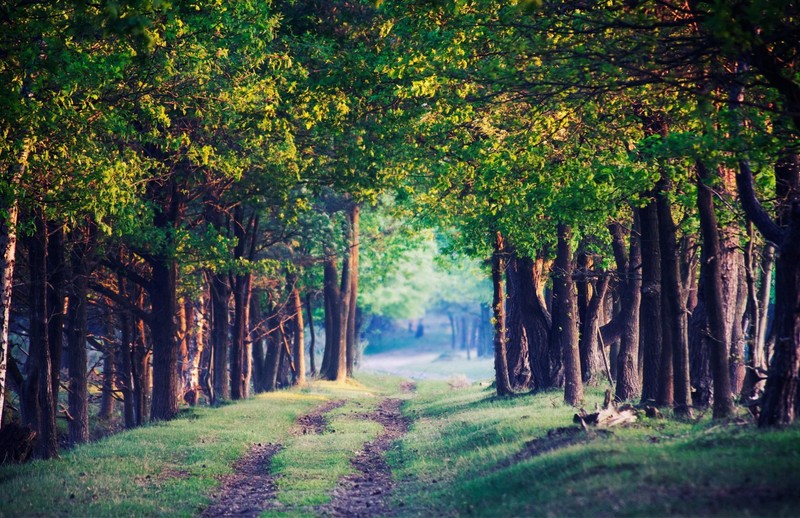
(610, 415)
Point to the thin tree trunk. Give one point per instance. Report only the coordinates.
(107, 400)
(352, 336)
(299, 351)
(312, 348)
(502, 382)
(125, 377)
(333, 320)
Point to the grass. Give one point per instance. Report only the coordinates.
(458, 459)
(170, 469)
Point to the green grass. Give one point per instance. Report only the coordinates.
(169, 469)
(459, 458)
(456, 461)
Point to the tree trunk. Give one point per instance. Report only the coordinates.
(56, 292)
(713, 292)
(107, 400)
(37, 404)
(502, 382)
(676, 343)
(77, 331)
(274, 347)
(650, 331)
(564, 334)
(333, 313)
(220, 326)
(125, 377)
(141, 364)
(760, 299)
(312, 348)
(517, 352)
(298, 328)
(239, 346)
(352, 336)
(779, 404)
(629, 264)
(163, 298)
(587, 341)
(538, 323)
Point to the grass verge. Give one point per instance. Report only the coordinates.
(463, 457)
(169, 469)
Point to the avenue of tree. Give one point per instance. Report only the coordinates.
(185, 184)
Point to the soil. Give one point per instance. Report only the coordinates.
(365, 493)
(315, 422)
(249, 489)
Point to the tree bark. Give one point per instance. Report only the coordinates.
(298, 328)
(779, 403)
(628, 264)
(714, 296)
(650, 330)
(163, 298)
(676, 343)
(312, 348)
(517, 352)
(538, 323)
(77, 331)
(220, 326)
(9, 214)
(352, 335)
(502, 381)
(564, 334)
(37, 404)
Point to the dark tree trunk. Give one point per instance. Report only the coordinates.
(538, 323)
(587, 342)
(125, 377)
(674, 308)
(56, 292)
(77, 331)
(107, 400)
(256, 327)
(502, 381)
(205, 363)
(453, 334)
(629, 266)
(164, 404)
(220, 297)
(37, 405)
(338, 367)
(274, 348)
(779, 404)
(714, 296)
(333, 312)
(517, 306)
(312, 347)
(564, 334)
(650, 332)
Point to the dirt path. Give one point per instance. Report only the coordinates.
(365, 493)
(249, 489)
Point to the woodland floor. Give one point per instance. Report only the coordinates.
(385, 446)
